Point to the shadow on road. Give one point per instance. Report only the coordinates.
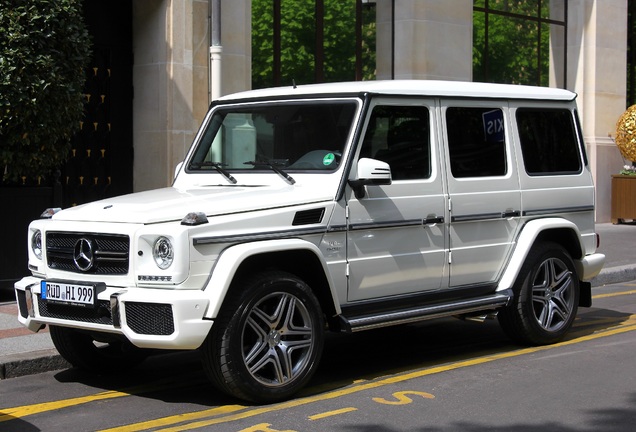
(347, 358)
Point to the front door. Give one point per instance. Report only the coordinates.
(396, 234)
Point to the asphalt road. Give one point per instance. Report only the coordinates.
(445, 375)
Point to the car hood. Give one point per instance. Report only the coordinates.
(172, 204)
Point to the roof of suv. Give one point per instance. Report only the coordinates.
(410, 88)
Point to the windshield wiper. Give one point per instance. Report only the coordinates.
(272, 165)
(218, 166)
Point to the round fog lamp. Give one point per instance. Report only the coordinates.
(163, 252)
(36, 244)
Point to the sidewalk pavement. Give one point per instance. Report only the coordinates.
(23, 352)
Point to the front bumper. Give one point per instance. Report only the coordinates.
(148, 318)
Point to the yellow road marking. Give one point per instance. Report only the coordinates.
(180, 418)
(27, 410)
(332, 413)
(402, 398)
(598, 296)
(623, 328)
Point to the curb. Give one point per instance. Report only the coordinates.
(613, 275)
(30, 363)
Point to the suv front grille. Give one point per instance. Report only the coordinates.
(150, 318)
(143, 318)
(99, 315)
(102, 254)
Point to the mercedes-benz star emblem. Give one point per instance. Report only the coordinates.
(83, 254)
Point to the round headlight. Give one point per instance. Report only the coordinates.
(163, 253)
(36, 243)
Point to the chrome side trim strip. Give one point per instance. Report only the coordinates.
(476, 217)
(274, 235)
(387, 224)
(540, 212)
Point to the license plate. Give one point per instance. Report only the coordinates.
(74, 294)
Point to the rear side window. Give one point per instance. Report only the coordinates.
(548, 141)
(476, 142)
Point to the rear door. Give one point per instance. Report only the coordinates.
(396, 234)
(483, 187)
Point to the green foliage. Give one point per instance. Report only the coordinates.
(513, 44)
(298, 41)
(44, 47)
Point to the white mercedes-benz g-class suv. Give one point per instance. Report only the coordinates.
(335, 207)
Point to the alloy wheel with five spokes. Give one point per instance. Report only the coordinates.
(277, 339)
(545, 297)
(266, 342)
(553, 294)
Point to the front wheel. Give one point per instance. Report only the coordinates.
(267, 341)
(546, 297)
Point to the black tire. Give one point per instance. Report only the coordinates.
(83, 351)
(546, 297)
(267, 341)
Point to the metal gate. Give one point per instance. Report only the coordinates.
(101, 160)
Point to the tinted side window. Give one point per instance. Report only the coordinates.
(476, 142)
(548, 141)
(399, 136)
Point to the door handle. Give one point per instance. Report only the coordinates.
(510, 214)
(433, 219)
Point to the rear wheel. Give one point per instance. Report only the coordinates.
(267, 341)
(84, 351)
(546, 297)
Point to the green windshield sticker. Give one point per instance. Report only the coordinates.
(328, 159)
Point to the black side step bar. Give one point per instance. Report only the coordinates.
(420, 313)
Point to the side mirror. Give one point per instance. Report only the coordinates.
(371, 172)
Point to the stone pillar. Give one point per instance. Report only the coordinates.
(597, 67)
(237, 45)
(170, 75)
(432, 39)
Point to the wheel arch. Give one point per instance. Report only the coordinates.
(557, 230)
(295, 256)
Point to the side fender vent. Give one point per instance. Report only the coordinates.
(307, 217)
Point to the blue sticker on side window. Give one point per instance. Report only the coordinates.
(493, 125)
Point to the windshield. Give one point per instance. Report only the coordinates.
(286, 136)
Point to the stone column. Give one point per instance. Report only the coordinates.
(432, 39)
(237, 45)
(597, 67)
(170, 75)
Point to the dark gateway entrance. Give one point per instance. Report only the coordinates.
(101, 161)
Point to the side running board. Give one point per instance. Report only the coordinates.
(424, 312)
